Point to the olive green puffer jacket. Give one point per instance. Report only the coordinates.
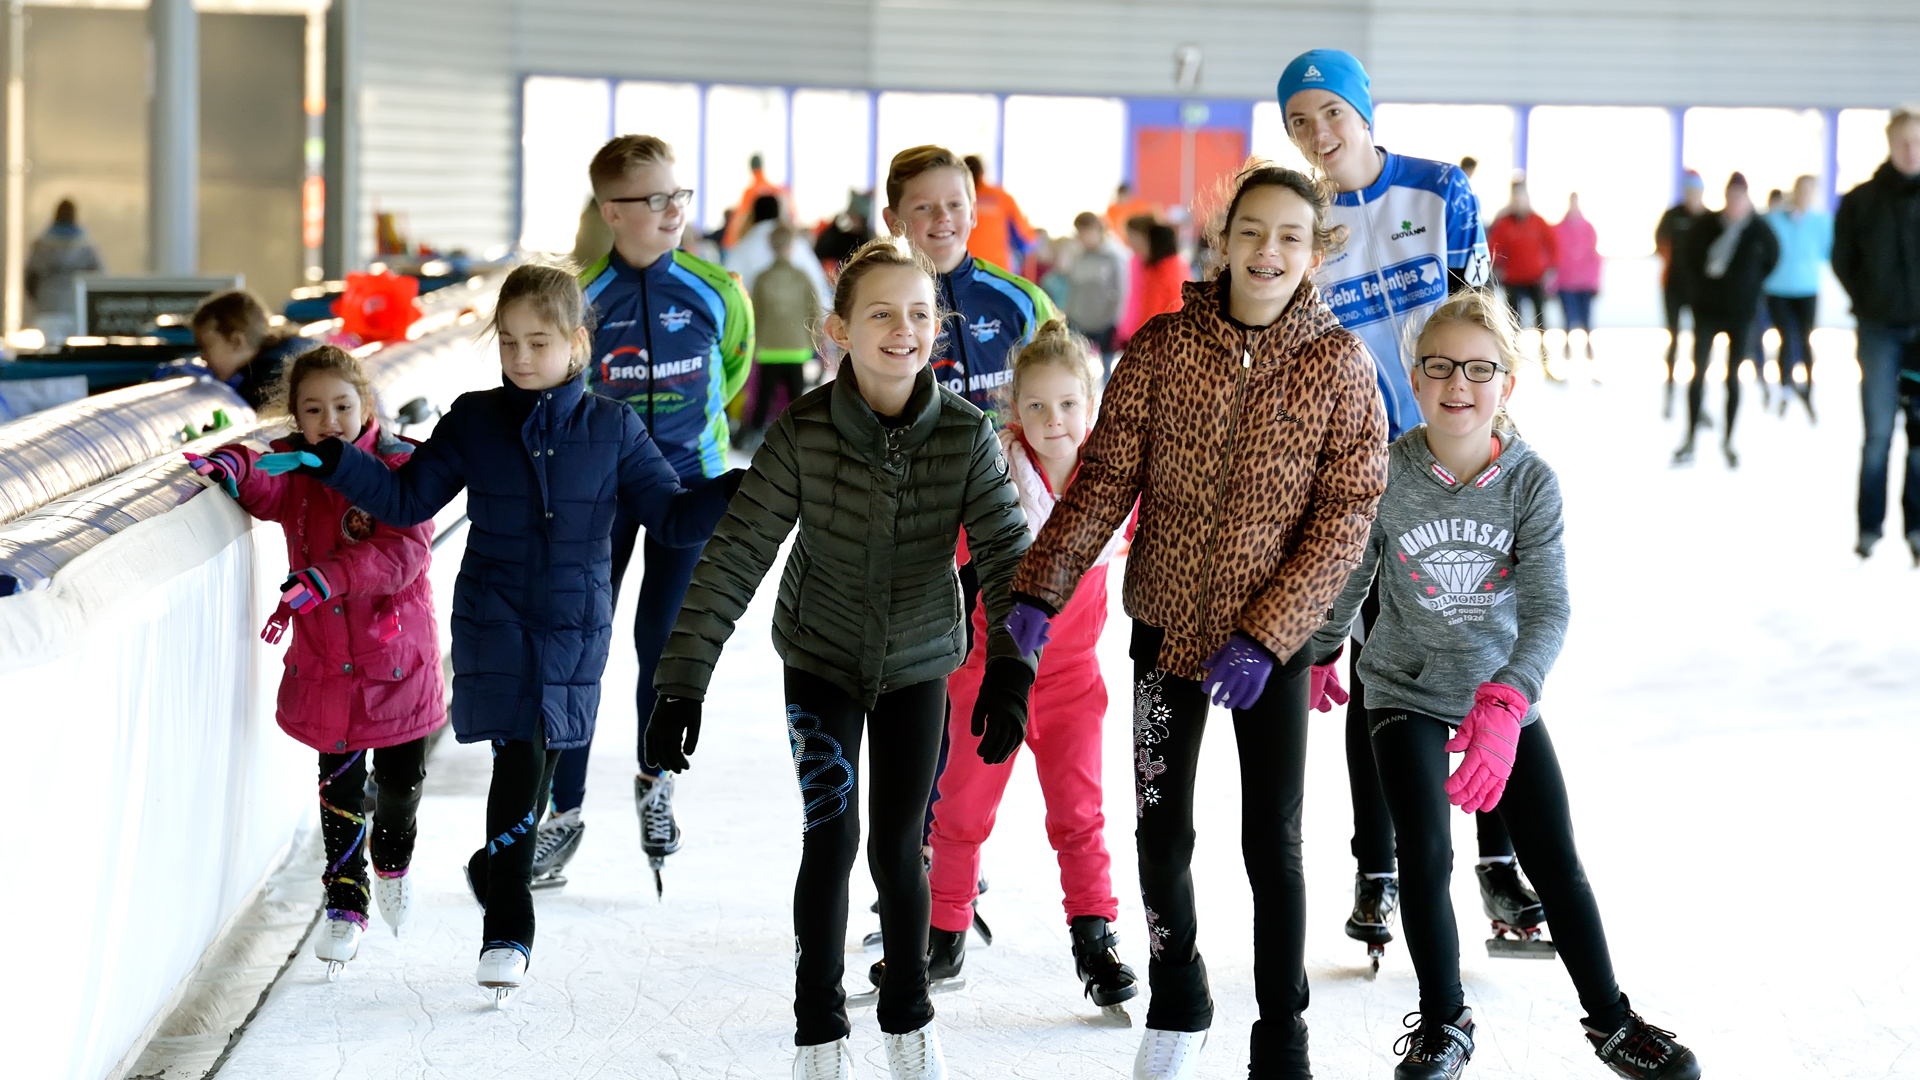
(870, 600)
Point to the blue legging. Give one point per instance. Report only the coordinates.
(665, 574)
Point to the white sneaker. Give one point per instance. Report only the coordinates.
(394, 895)
(502, 970)
(916, 1055)
(1168, 1055)
(339, 942)
(824, 1061)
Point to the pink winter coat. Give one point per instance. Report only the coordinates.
(364, 668)
(1578, 254)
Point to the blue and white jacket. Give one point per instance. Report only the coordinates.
(999, 310)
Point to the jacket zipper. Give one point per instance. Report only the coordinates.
(1226, 466)
(646, 333)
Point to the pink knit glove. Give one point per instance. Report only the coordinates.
(1489, 735)
(1323, 685)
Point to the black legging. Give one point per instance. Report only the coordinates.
(1411, 751)
(1673, 305)
(522, 772)
(1170, 716)
(1534, 294)
(400, 771)
(1704, 331)
(768, 377)
(1793, 316)
(824, 728)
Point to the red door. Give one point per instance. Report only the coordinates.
(1187, 167)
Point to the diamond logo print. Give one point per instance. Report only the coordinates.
(1458, 571)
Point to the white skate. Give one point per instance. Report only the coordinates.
(502, 970)
(825, 1061)
(338, 942)
(916, 1055)
(1168, 1055)
(394, 895)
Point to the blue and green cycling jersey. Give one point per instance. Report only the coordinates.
(674, 341)
(995, 310)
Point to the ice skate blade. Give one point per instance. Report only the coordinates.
(1375, 952)
(873, 940)
(554, 880)
(1521, 950)
(502, 995)
(1115, 1016)
(334, 967)
(934, 986)
(658, 863)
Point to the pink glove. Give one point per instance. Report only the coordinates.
(1323, 684)
(1489, 735)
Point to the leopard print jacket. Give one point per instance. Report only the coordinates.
(1259, 458)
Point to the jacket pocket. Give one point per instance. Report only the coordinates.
(1452, 672)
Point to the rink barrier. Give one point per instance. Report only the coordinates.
(133, 656)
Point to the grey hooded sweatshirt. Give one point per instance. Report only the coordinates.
(1474, 582)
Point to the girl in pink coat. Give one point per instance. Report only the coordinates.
(1052, 398)
(363, 676)
(1577, 272)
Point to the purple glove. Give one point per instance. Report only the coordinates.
(1489, 735)
(223, 467)
(305, 589)
(1237, 672)
(1029, 627)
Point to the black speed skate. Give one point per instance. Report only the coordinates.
(1434, 1051)
(946, 956)
(659, 832)
(1515, 911)
(554, 844)
(1639, 1051)
(1374, 901)
(1096, 960)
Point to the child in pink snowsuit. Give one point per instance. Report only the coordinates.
(1051, 397)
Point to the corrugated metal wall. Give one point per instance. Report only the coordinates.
(441, 77)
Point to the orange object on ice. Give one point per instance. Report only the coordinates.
(378, 307)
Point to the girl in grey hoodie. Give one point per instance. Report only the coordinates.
(1473, 610)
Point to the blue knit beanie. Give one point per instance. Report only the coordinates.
(1333, 71)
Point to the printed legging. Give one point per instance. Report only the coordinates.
(399, 771)
(500, 870)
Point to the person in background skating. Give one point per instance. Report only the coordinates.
(756, 250)
(1124, 207)
(1492, 597)
(882, 469)
(57, 257)
(1248, 427)
(544, 464)
(848, 230)
(362, 682)
(1876, 256)
(740, 217)
(673, 337)
(1577, 266)
(1524, 252)
(1805, 233)
(240, 345)
(1727, 256)
(1396, 209)
(1157, 274)
(1099, 292)
(1001, 234)
(1669, 241)
(785, 307)
(1052, 397)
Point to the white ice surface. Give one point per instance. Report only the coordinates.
(1737, 710)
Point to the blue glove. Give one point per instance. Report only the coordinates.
(1029, 626)
(281, 464)
(1237, 672)
(313, 458)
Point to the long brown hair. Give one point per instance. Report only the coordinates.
(327, 359)
(1258, 172)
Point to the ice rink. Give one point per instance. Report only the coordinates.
(1737, 709)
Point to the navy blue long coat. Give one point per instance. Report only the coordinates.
(533, 606)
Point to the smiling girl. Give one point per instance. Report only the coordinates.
(882, 470)
(1248, 427)
(1473, 609)
(362, 682)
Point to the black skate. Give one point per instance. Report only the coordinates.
(946, 956)
(872, 939)
(558, 838)
(1639, 1051)
(1374, 901)
(659, 832)
(1515, 911)
(1434, 1051)
(1097, 961)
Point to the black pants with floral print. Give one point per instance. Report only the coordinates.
(1169, 717)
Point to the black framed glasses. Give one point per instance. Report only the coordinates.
(1441, 368)
(659, 200)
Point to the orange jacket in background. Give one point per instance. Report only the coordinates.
(1118, 214)
(998, 227)
(742, 219)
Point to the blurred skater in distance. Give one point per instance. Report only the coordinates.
(1099, 287)
(1727, 256)
(545, 466)
(1001, 235)
(1676, 289)
(1052, 398)
(1493, 599)
(1248, 427)
(1875, 237)
(786, 305)
(653, 307)
(1157, 274)
(881, 469)
(1576, 272)
(362, 681)
(57, 257)
(1524, 257)
(1805, 233)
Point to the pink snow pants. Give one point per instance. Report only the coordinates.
(1065, 714)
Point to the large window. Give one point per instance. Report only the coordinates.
(1770, 146)
(1063, 156)
(1451, 132)
(1270, 137)
(563, 122)
(831, 151)
(1620, 161)
(669, 111)
(963, 123)
(1862, 146)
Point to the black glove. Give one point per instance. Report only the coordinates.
(327, 450)
(1000, 712)
(673, 731)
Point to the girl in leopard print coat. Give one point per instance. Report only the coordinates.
(1250, 427)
